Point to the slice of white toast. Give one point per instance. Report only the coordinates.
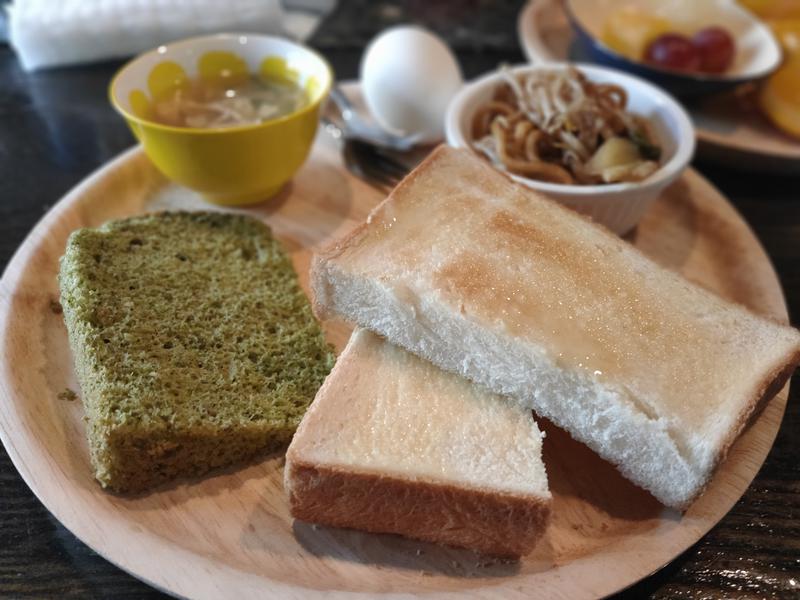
(491, 280)
(393, 444)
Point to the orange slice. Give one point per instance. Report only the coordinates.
(773, 9)
(780, 96)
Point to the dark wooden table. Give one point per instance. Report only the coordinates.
(57, 126)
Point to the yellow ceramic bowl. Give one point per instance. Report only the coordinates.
(233, 165)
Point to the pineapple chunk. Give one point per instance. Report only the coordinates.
(630, 30)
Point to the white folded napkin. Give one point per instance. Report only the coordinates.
(47, 33)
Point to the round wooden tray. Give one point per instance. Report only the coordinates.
(230, 534)
(729, 130)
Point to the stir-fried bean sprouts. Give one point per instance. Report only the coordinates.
(558, 126)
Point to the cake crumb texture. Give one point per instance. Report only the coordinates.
(194, 344)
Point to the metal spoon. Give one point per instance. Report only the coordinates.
(354, 126)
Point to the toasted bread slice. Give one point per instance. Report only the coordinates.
(491, 280)
(393, 444)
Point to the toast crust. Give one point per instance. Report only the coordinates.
(336, 247)
(755, 391)
(495, 524)
(767, 389)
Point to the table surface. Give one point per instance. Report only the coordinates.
(57, 126)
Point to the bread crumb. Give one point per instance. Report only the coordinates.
(55, 307)
(67, 394)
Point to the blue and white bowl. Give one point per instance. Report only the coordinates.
(757, 51)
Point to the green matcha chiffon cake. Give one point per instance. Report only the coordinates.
(195, 346)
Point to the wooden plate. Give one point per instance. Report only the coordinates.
(729, 128)
(230, 534)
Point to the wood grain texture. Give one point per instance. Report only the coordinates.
(230, 534)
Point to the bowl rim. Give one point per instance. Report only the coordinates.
(684, 135)
(686, 76)
(189, 41)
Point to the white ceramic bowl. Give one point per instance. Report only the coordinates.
(618, 206)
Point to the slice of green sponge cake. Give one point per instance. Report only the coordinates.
(194, 344)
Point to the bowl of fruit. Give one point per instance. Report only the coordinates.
(779, 96)
(688, 47)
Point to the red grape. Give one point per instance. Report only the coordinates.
(673, 51)
(716, 49)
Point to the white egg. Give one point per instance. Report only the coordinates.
(409, 76)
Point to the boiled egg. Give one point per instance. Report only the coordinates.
(408, 77)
